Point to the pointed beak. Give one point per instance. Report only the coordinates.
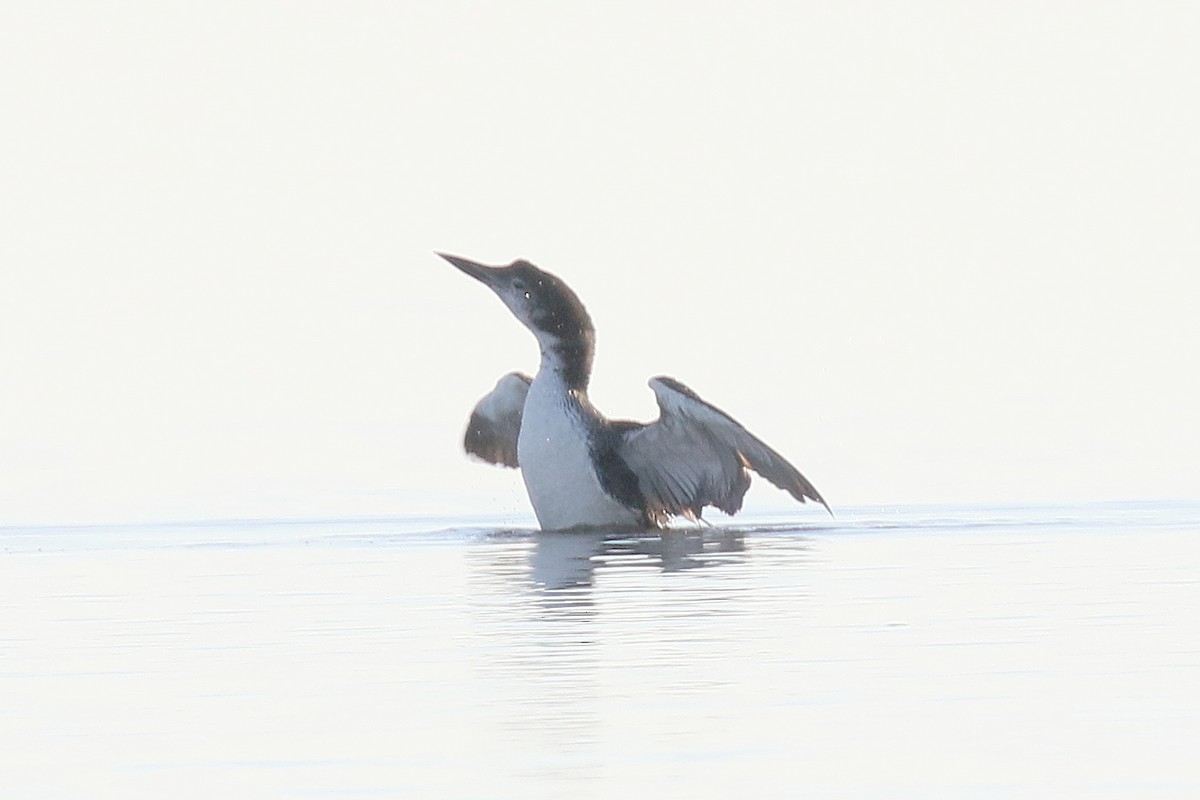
(489, 276)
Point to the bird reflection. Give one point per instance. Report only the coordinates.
(543, 626)
(561, 561)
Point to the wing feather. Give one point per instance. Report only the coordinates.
(696, 455)
(496, 421)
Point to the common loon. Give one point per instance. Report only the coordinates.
(584, 470)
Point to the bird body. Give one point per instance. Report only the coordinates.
(583, 470)
(556, 451)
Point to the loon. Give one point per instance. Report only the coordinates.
(582, 470)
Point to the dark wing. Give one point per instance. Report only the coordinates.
(696, 455)
(496, 421)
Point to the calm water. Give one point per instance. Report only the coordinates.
(915, 653)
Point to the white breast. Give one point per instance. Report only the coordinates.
(556, 465)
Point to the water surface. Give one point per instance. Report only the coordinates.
(920, 652)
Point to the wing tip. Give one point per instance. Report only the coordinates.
(806, 492)
(671, 384)
(821, 500)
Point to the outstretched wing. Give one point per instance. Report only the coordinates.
(696, 455)
(496, 421)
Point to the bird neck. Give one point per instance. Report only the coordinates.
(569, 358)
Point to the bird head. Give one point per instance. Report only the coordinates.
(541, 301)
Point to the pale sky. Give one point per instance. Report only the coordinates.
(932, 252)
